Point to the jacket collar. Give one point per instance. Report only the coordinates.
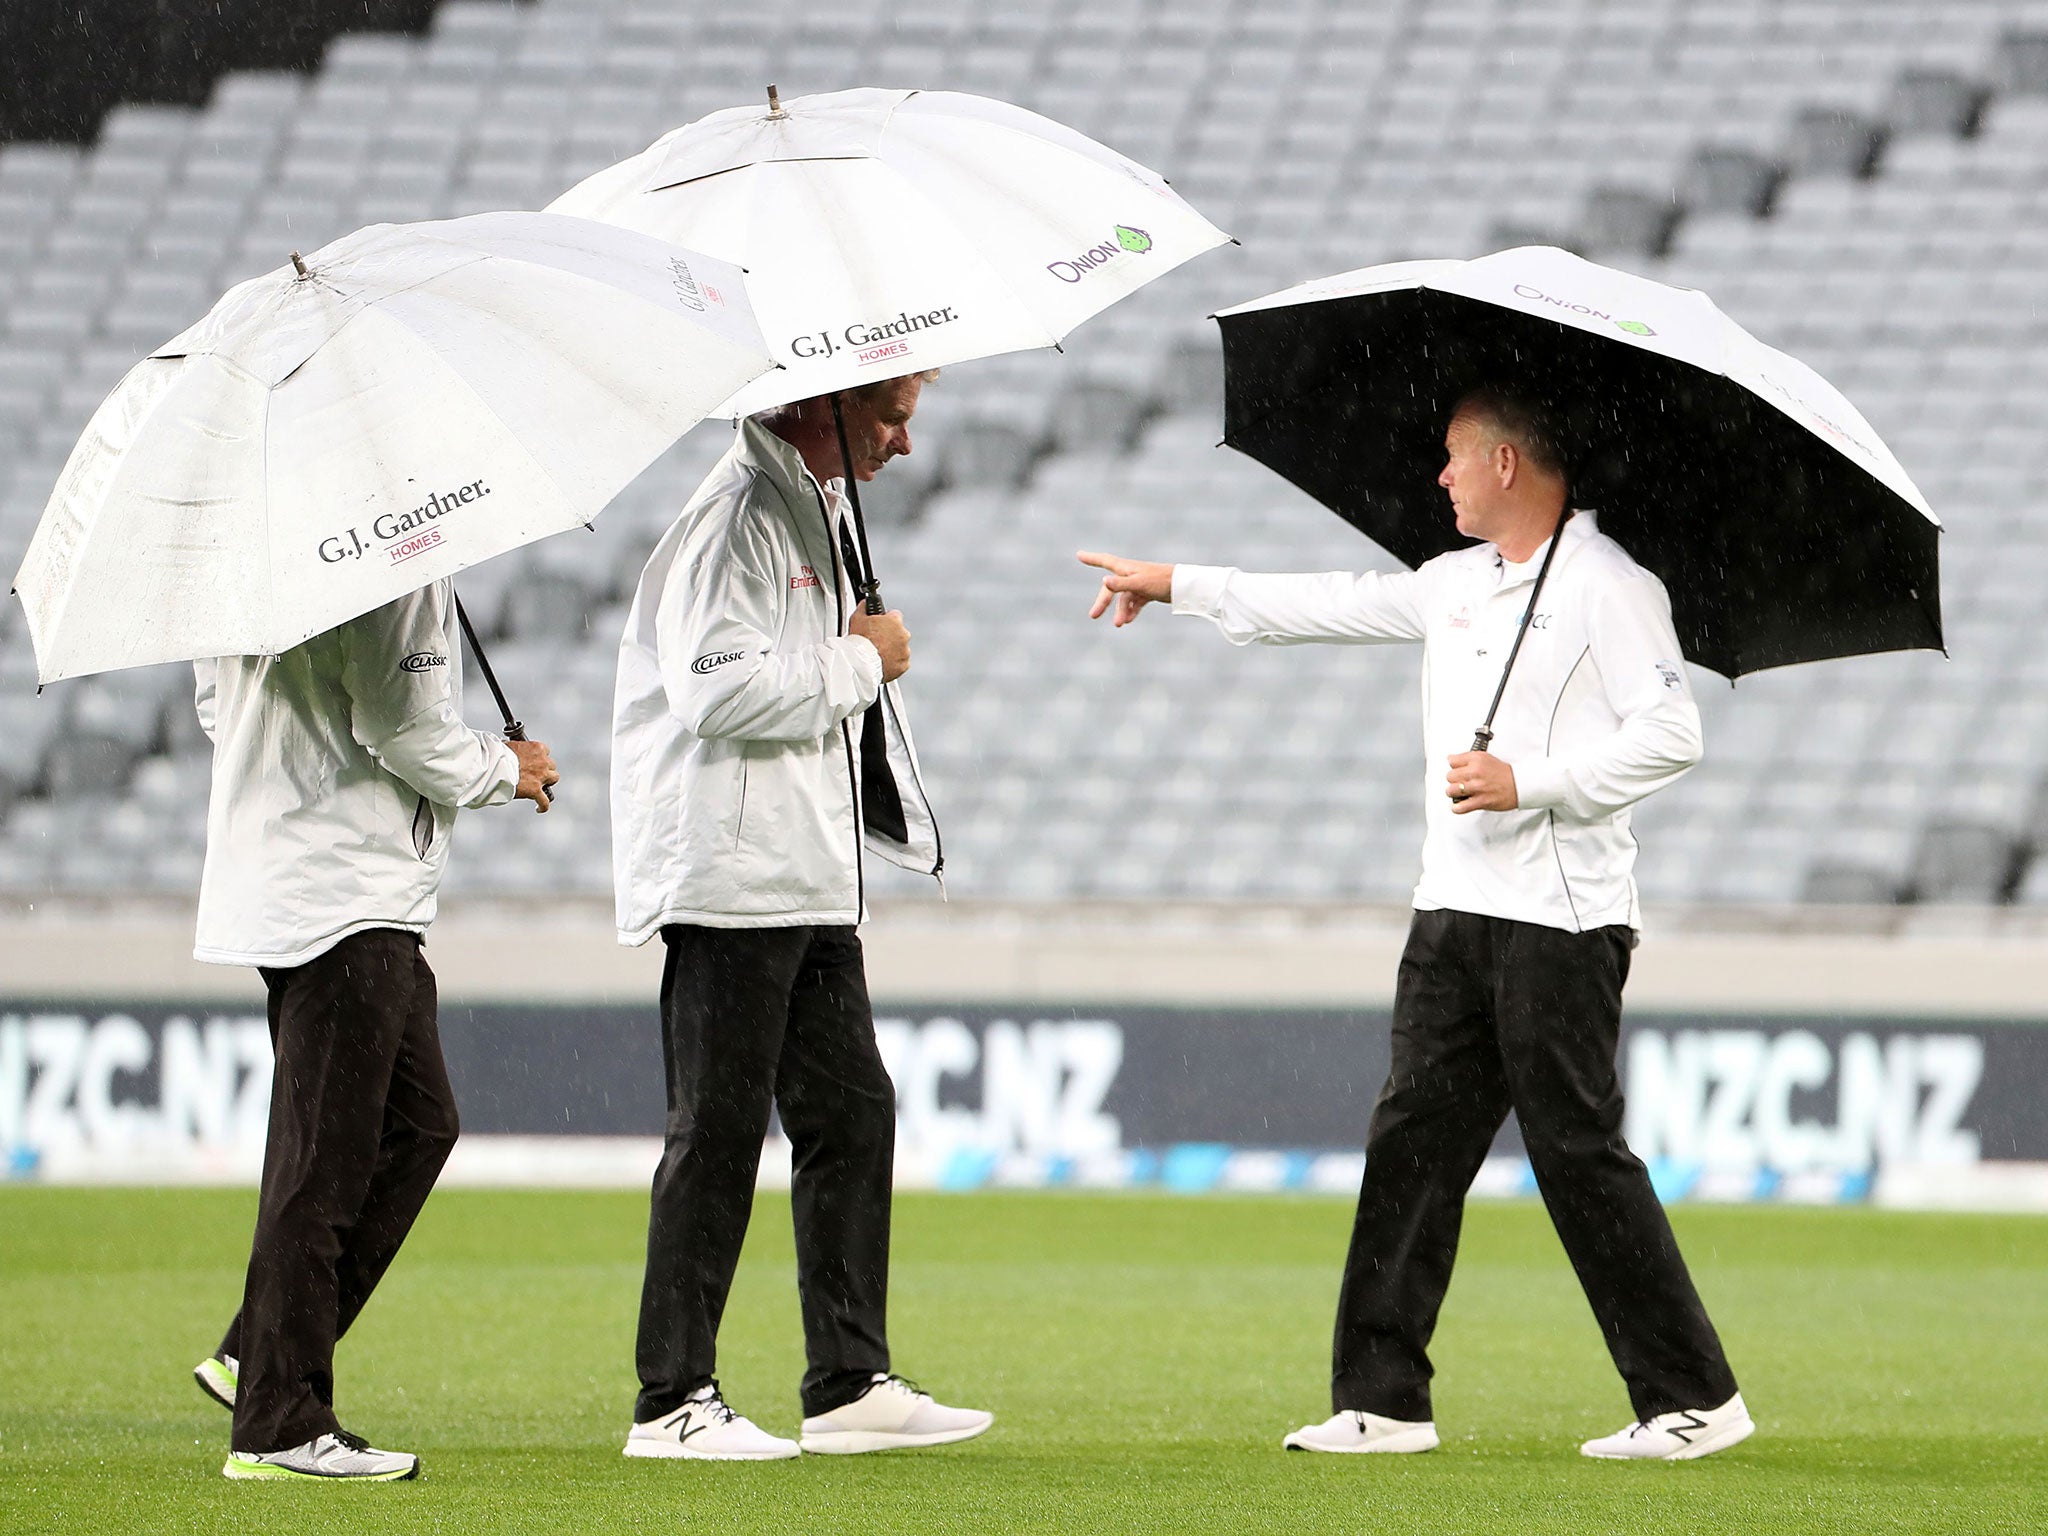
(761, 449)
(1581, 526)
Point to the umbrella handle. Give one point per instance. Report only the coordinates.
(514, 730)
(870, 590)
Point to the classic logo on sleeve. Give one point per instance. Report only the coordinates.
(422, 661)
(714, 661)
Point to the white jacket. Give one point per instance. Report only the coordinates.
(743, 784)
(337, 770)
(1598, 714)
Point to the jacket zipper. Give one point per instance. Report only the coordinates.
(860, 873)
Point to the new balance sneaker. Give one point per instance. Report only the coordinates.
(1355, 1433)
(1682, 1436)
(340, 1456)
(218, 1376)
(706, 1428)
(891, 1415)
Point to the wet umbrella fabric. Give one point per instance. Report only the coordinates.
(1782, 527)
(887, 231)
(418, 399)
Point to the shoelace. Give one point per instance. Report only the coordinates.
(713, 1405)
(353, 1442)
(905, 1383)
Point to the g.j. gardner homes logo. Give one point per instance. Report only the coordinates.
(1125, 240)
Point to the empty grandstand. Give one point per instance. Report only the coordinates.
(1855, 182)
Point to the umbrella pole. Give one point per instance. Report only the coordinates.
(1482, 739)
(514, 730)
(870, 591)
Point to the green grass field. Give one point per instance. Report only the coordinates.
(1143, 1356)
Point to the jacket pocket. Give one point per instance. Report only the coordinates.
(739, 821)
(423, 829)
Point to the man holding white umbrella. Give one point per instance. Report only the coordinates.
(338, 769)
(282, 494)
(758, 739)
(758, 745)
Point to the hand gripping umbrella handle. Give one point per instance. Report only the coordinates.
(869, 590)
(514, 730)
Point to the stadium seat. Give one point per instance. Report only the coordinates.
(1327, 137)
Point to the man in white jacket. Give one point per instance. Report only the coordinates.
(758, 743)
(1509, 993)
(338, 768)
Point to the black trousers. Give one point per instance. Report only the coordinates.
(361, 1121)
(1490, 1015)
(754, 1017)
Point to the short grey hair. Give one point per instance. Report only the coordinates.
(868, 390)
(876, 386)
(1520, 417)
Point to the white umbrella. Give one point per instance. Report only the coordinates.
(885, 232)
(400, 405)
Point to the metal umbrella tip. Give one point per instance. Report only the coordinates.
(300, 262)
(775, 103)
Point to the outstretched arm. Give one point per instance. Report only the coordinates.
(1270, 610)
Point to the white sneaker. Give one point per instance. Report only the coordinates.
(706, 1428)
(1682, 1436)
(340, 1455)
(1354, 1433)
(891, 1415)
(218, 1377)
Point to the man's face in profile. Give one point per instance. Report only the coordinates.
(1470, 474)
(878, 423)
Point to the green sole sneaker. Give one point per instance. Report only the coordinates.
(257, 1471)
(335, 1458)
(218, 1378)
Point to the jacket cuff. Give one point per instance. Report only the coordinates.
(1541, 784)
(868, 662)
(1198, 589)
(504, 787)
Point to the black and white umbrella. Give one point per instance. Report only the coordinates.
(1783, 528)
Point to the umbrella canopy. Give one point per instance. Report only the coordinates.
(1783, 528)
(396, 407)
(886, 232)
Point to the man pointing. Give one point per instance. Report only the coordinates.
(1509, 992)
